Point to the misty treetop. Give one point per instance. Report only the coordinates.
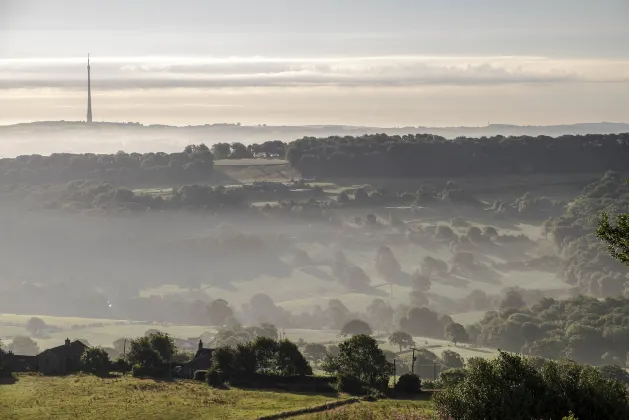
(584, 329)
(587, 263)
(195, 163)
(380, 155)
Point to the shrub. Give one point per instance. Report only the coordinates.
(350, 384)
(96, 361)
(139, 371)
(200, 375)
(451, 377)
(120, 365)
(215, 377)
(409, 383)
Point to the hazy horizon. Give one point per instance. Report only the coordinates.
(403, 63)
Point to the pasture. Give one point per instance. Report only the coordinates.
(34, 397)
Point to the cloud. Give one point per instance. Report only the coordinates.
(233, 72)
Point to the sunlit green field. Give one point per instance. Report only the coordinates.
(91, 398)
(378, 410)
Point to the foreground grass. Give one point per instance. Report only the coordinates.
(87, 397)
(378, 410)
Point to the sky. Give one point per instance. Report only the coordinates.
(300, 62)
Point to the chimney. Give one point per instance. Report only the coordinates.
(200, 344)
(67, 342)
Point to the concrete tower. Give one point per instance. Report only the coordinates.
(89, 92)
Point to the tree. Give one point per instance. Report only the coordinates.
(512, 300)
(23, 346)
(380, 313)
(511, 387)
(35, 326)
(96, 361)
(355, 327)
(408, 383)
(290, 361)
(615, 237)
(401, 339)
(152, 350)
(221, 150)
(420, 282)
(219, 312)
(455, 333)
(316, 352)
(360, 357)
(452, 359)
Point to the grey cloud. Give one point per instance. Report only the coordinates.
(277, 73)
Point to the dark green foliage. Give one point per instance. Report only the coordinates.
(361, 358)
(200, 375)
(120, 365)
(355, 327)
(408, 383)
(616, 237)
(263, 356)
(96, 361)
(195, 163)
(424, 322)
(589, 263)
(451, 359)
(455, 333)
(290, 361)
(380, 155)
(451, 377)
(350, 385)
(584, 329)
(223, 360)
(511, 387)
(139, 371)
(151, 350)
(215, 377)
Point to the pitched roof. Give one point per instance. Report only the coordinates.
(75, 346)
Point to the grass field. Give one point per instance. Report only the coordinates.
(378, 410)
(88, 397)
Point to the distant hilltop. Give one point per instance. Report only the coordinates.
(48, 137)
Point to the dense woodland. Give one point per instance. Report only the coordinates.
(587, 263)
(428, 155)
(375, 155)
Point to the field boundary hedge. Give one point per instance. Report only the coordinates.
(310, 410)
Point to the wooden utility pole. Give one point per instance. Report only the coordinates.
(413, 361)
(394, 372)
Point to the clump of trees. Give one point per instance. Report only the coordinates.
(582, 328)
(380, 155)
(150, 354)
(262, 356)
(194, 164)
(587, 263)
(512, 387)
(424, 322)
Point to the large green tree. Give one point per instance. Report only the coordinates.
(360, 357)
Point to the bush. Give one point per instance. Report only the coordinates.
(96, 361)
(139, 371)
(120, 365)
(451, 377)
(409, 383)
(350, 385)
(215, 377)
(200, 375)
